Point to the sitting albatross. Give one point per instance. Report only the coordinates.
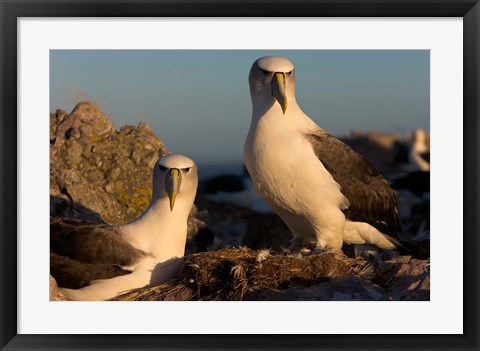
(151, 246)
(326, 193)
(419, 153)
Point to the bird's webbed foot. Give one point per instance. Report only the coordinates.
(310, 248)
(298, 245)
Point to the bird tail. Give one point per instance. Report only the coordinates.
(364, 233)
(398, 244)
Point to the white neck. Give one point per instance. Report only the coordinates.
(271, 116)
(158, 230)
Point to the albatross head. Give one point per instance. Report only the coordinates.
(175, 176)
(272, 81)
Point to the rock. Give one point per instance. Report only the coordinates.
(114, 174)
(86, 120)
(55, 119)
(227, 182)
(377, 147)
(341, 289)
(235, 226)
(405, 278)
(63, 205)
(55, 294)
(92, 166)
(199, 235)
(110, 188)
(420, 245)
(53, 127)
(71, 153)
(60, 114)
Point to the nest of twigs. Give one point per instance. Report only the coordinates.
(240, 274)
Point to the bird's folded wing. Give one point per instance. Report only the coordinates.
(371, 199)
(91, 242)
(72, 274)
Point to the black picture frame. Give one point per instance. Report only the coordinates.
(11, 10)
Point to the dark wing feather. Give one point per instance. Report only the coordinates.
(73, 274)
(89, 242)
(371, 198)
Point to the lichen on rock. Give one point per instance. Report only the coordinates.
(98, 168)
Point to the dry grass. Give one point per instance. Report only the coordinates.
(236, 274)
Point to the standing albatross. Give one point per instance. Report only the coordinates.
(326, 193)
(150, 247)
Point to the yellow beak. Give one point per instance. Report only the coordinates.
(172, 185)
(278, 90)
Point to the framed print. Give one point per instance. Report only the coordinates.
(147, 105)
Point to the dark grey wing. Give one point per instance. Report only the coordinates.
(73, 274)
(89, 242)
(371, 198)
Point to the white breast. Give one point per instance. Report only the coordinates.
(291, 179)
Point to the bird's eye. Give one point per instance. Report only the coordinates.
(289, 73)
(163, 169)
(187, 169)
(265, 72)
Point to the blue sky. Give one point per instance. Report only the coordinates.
(198, 102)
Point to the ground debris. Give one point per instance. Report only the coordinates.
(236, 274)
